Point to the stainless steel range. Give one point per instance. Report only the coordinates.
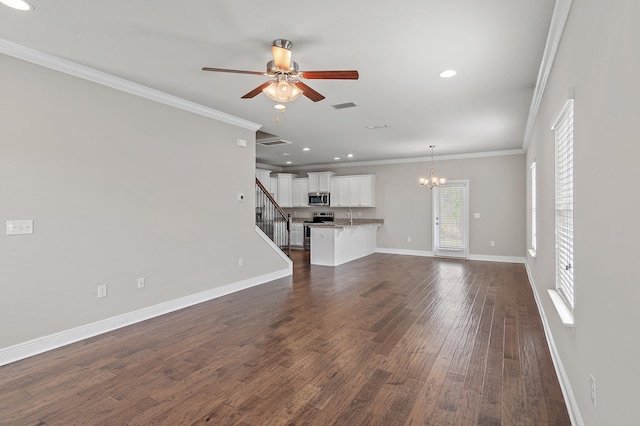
(318, 217)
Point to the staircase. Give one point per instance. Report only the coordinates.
(272, 220)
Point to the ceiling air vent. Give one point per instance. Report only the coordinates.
(272, 142)
(344, 105)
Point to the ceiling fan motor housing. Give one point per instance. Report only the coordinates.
(282, 43)
(273, 70)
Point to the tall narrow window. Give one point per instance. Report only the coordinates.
(534, 225)
(563, 128)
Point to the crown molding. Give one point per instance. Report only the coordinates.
(402, 160)
(556, 28)
(86, 73)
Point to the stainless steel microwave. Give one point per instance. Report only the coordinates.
(319, 199)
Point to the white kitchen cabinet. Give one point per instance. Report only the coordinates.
(264, 176)
(353, 191)
(285, 189)
(320, 181)
(273, 189)
(340, 191)
(300, 196)
(297, 235)
(363, 191)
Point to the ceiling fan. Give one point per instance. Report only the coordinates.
(286, 85)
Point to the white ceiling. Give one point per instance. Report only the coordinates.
(398, 48)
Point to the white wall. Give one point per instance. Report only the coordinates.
(497, 192)
(598, 55)
(119, 187)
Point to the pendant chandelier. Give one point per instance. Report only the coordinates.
(432, 181)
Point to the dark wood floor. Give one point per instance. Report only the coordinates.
(384, 340)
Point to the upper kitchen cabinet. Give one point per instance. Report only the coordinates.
(264, 176)
(363, 191)
(274, 188)
(340, 191)
(353, 191)
(320, 181)
(285, 190)
(300, 196)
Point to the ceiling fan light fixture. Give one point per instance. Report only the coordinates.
(282, 91)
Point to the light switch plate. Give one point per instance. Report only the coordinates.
(19, 227)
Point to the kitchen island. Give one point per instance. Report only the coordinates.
(335, 243)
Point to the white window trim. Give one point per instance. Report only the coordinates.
(566, 315)
(534, 208)
(564, 309)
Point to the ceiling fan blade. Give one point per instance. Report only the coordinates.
(309, 92)
(234, 71)
(257, 90)
(331, 75)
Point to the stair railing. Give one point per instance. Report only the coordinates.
(272, 220)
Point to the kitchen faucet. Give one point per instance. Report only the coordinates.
(350, 214)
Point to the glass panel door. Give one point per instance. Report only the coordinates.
(451, 219)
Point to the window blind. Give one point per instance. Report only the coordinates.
(534, 226)
(451, 217)
(564, 203)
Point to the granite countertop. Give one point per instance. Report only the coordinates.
(296, 219)
(342, 223)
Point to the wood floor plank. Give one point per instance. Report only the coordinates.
(386, 340)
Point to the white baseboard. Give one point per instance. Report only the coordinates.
(53, 341)
(490, 258)
(563, 378)
(424, 253)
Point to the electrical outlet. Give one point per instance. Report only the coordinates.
(493, 243)
(140, 282)
(102, 291)
(240, 261)
(592, 381)
(408, 239)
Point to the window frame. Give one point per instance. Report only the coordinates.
(563, 127)
(534, 208)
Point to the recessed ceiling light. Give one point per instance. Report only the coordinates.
(306, 149)
(350, 155)
(285, 153)
(336, 158)
(288, 162)
(18, 4)
(448, 73)
(378, 126)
